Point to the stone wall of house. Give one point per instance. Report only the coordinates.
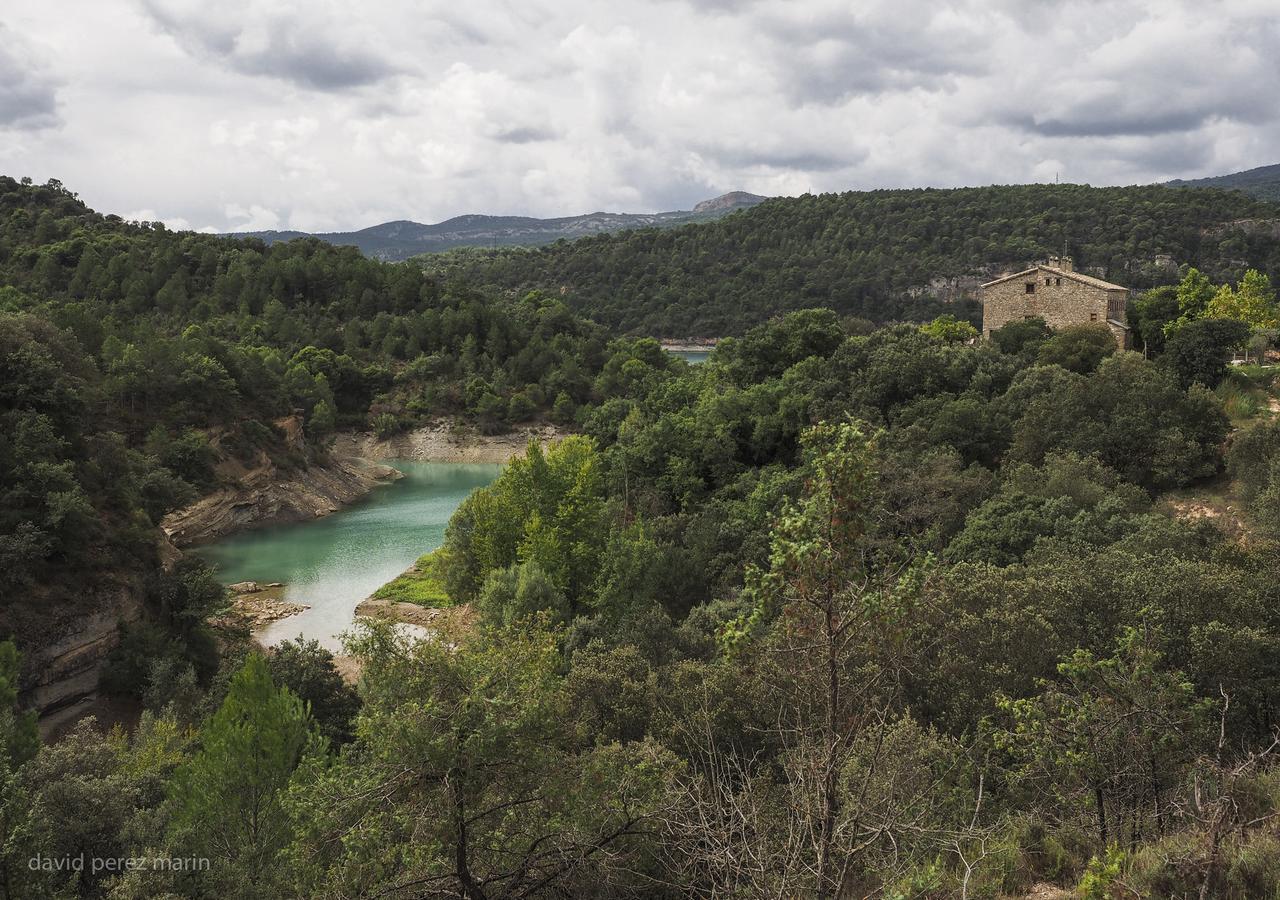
(1061, 302)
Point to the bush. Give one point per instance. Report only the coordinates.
(386, 425)
(1017, 338)
(129, 664)
(1078, 348)
(1254, 458)
(308, 670)
(1255, 870)
(518, 592)
(1102, 874)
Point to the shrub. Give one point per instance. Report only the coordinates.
(386, 425)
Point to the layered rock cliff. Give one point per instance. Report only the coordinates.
(265, 496)
(64, 660)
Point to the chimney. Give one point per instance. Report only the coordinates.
(1065, 264)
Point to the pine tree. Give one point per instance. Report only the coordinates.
(227, 800)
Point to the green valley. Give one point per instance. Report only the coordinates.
(860, 605)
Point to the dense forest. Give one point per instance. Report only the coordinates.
(879, 255)
(846, 611)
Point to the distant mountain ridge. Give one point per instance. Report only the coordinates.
(1262, 182)
(882, 255)
(403, 239)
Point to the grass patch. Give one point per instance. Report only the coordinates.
(422, 584)
(1243, 396)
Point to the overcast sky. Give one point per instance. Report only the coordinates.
(321, 115)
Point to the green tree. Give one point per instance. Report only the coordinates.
(547, 507)
(308, 670)
(18, 738)
(948, 329)
(19, 742)
(832, 658)
(227, 801)
(1069, 497)
(1151, 313)
(1078, 348)
(464, 781)
(1116, 733)
(1133, 415)
(1021, 337)
(322, 420)
(518, 593)
(1198, 351)
(1194, 293)
(1253, 302)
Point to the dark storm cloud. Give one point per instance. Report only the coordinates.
(292, 49)
(28, 93)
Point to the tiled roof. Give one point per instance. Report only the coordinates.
(1078, 276)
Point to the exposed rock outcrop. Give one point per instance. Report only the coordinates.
(264, 496)
(443, 441)
(64, 661)
(258, 605)
(1262, 227)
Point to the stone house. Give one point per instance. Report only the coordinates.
(1060, 295)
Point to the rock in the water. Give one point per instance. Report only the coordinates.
(258, 610)
(244, 587)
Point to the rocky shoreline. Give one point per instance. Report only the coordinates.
(258, 605)
(429, 617)
(445, 441)
(264, 498)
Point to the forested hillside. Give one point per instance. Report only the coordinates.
(1262, 182)
(395, 241)
(874, 254)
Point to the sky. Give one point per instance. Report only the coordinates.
(318, 115)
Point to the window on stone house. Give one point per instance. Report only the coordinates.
(1057, 282)
(1093, 317)
(1031, 287)
(1046, 282)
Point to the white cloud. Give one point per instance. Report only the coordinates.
(325, 115)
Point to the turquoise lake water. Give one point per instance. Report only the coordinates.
(331, 564)
(692, 356)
